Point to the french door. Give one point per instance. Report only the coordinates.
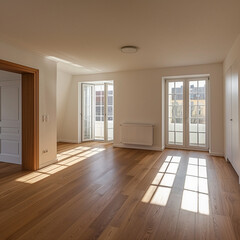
(88, 107)
(97, 111)
(186, 113)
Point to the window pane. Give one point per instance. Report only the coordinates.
(171, 137)
(171, 88)
(193, 125)
(201, 111)
(171, 99)
(193, 138)
(193, 111)
(201, 127)
(201, 138)
(179, 124)
(170, 124)
(170, 111)
(201, 86)
(178, 111)
(179, 87)
(179, 137)
(193, 86)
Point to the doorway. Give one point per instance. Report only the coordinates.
(10, 118)
(30, 112)
(187, 113)
(97, 111)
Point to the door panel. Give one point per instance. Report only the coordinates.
(100, 112)
(234, 122)
(197, 113)
(10, 121)
(228, 114)
(187, 113)
(87, 112)
(175, 112)
(109, 112)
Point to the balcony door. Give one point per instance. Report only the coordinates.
(186, 113)
(97, 111)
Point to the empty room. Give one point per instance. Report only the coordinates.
(119, 119)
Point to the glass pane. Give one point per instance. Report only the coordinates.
(170, 111)
(178, 111)
(179, 87)
(201, 86)
(87, 112)
(179, 137)
(99, 119)
(201, 125)
(179, 124)
(201, 111)
(178, 99)
(171, 99)
(171, 137)
(202, 138)
(193, 125)
(193, 86)
(193, 138)
(110, 111)
(171, 88)
(193, 111)
(170, 124)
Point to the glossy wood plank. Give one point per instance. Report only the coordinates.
(99, 192)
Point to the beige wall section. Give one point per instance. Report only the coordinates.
(47, 96)
(138, 99)
(64, 82)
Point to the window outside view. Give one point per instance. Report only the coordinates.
(196, 112)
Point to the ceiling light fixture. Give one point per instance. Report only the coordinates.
(56, 59)
(129, 49)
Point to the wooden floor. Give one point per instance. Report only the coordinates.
(100, 192)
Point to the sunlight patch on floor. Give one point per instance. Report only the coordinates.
(65, 159)
(195, 195)
(159, 191)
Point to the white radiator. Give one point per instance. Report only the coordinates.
(137, 134)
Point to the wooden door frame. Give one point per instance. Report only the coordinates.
(30, 112)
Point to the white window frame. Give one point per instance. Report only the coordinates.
(186, 125)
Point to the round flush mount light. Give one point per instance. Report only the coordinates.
(129, 49)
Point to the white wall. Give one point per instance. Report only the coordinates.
(231, 68)
(64, 82)
(138, 98)
(47, 96)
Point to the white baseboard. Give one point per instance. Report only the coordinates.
(216, 154)
(68, 141)
(42, 165)
(120, 145)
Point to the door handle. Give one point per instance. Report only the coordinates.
(231, 119)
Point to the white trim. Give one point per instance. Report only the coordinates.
(42, 165)
(120, 145)
(217, 154)
(186, 148)
(68, 141)
(186, 76)
(185, 80)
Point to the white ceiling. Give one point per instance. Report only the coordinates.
(91, 32)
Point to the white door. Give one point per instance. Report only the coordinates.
(228, 114)
(88, 107)
(186, 113)
(109, 114)
(231, 115)
(10, 121)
